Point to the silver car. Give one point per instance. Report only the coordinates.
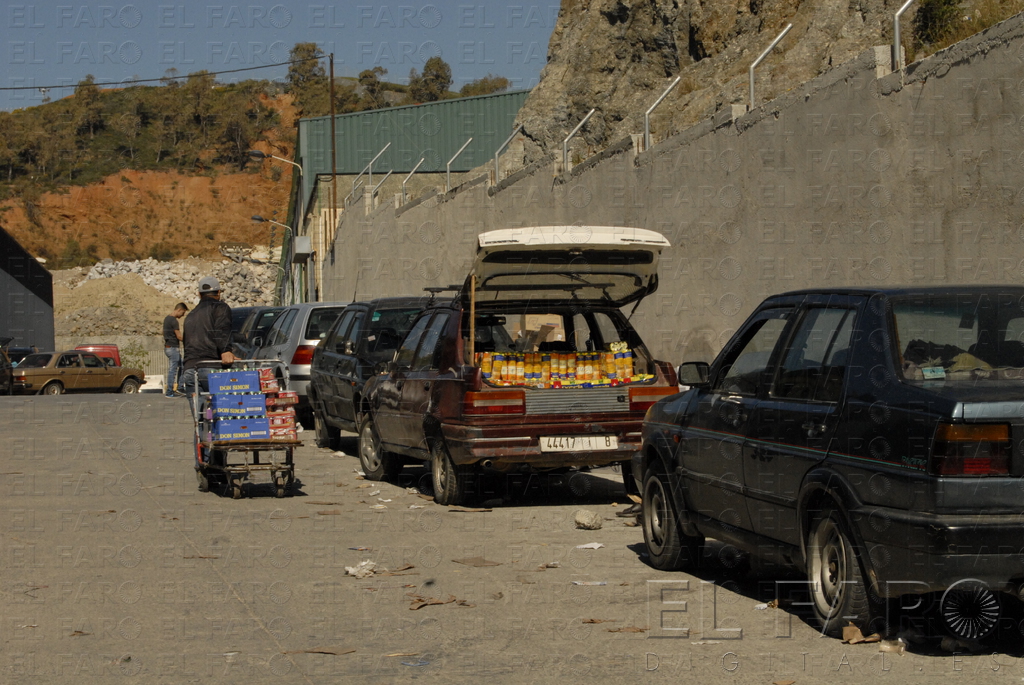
(292, 338)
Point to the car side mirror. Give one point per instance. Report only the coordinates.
(348, 347)
(694, 374)
(382, 367)
(257, 342)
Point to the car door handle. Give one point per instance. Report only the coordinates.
(426, 385)
(814, 430)
(399, 384)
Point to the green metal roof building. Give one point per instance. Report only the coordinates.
(434, 131)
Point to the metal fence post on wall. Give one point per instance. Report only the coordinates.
(368, 167)
(897, 49)
(750, 71)
(405, 198)
(448, 167)
(373, 193)
(647, 114)
(565, 143)
(497, 172)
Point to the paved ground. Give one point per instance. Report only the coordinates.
(116, 568)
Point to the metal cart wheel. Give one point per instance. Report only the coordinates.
(236, 488)
(204, 482)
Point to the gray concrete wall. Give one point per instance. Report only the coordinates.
(850, 180)
(23, 314)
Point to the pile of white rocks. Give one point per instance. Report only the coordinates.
(245, 284)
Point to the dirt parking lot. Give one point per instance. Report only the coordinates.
(115, 568)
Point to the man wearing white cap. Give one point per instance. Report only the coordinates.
(206, 335)
(207, 330)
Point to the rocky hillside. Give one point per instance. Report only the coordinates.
(618, 55)
(132, 298)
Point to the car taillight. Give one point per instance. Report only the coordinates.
(641, 398)
(494, 402)
(303, 354)
(971, 450)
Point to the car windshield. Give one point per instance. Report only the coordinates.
(35, 361)
(965, 336)
(238, 317)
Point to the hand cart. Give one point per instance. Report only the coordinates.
(226, 463)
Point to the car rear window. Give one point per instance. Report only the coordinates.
(35, 361)
(964, 336)
(320, 322)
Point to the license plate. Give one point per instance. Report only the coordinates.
(578, 443)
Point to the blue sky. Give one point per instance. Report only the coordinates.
(58, 43)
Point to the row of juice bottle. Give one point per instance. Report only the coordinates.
(536, 368)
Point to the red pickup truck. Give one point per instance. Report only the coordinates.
(105, 351)
(531, 365)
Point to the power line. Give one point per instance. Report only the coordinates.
(129, 82)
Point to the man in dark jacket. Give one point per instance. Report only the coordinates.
(207, 337)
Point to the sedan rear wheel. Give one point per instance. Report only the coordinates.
(326, 435)
(377, 463)
(52, 388)
(834, 576)
(130, 386)
(668, 547)
(453, 482)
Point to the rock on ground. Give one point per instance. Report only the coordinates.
(588, 520)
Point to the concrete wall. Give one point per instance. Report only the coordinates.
(26, 296)
(850, 180)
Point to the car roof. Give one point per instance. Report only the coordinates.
(904, 290)
(303, 306)
(386, 302)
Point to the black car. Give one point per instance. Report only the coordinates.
(366, 334)
(256, 322)
(873, 439)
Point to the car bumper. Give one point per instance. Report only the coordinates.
(914, 553)
(25, 388)
(472, 444)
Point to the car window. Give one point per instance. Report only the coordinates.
(279, 331)
(238, 317)
(815, 363)
(335, 341)
(428, 354)
(92, 361)
(320, 322)
(384, 331)
(68, 361)
(35, 361)
(743, 372)
(265, 320)
(407, 350)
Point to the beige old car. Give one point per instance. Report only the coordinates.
(53, 373)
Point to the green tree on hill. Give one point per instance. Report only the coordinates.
(307, 80)
(485, 86)
(433, 84)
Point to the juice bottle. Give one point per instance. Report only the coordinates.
(545, 368)
(498, 367)
(486, 365)
(520, 368)
(571, 363)
(627, 363)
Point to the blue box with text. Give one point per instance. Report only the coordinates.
(237, 406)
(234, 381)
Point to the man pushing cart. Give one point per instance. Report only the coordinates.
(240, 408)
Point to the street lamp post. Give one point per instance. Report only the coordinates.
(260, 155)
(288, 232)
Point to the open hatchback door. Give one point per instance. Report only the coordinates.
(597, 265)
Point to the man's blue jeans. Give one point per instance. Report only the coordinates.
(173, 355)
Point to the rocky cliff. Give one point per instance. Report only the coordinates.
(618, 55)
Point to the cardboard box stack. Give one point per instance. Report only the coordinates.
(280, 406)
(237, 410)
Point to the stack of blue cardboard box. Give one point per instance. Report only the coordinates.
(238, 408)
